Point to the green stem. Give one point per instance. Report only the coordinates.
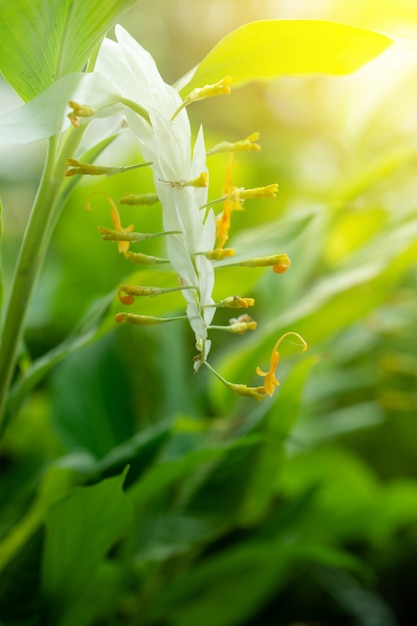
(31, 255)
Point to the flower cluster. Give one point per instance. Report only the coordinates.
(195, 235)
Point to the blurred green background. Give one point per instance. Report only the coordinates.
(318, 526)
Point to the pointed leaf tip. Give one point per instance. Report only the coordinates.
(268, 49)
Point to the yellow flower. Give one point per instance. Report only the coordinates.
(122, 246)
(271, 380)
(231, 203)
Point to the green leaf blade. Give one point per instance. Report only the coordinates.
(80, 529)
(268, 49)
(42, 41)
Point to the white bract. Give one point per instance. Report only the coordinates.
(167, 143)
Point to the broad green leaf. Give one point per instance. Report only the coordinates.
(105, 583)
(176, 529)
(267, 49)
(162, 475)
(80, 529)
(229, 587)
(90, 399)
(54, 485)
(41, 41)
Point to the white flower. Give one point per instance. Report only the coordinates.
(167, 143)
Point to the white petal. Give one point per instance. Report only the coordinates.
(45, 115)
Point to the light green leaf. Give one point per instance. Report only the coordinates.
(41, 41)
(80, 529)
(268, 49)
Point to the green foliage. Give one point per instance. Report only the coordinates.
(43, 41)
(75, 544)
(272, 48)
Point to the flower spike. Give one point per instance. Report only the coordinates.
(196, 245)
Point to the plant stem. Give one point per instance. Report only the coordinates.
(31, 255)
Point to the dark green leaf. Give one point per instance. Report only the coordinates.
(80, 530)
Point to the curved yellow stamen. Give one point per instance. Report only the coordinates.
(271, 380)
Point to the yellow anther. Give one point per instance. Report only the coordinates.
(199, 181)
(238, 325)
(99, 170)
(258, 393)
(145, 320)
(219, 253)
(127, 293)
(282, 266)
(222, 87)
(125, 298)
(244, 145)
(281, 261)
(241, 324)
(84, 168)
(144, 259)
(235, 302)
(138, 200)
(243, 390)
(259, 192)
(79, 110)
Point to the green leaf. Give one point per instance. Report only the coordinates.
(80, 530)
(268, 49)
(91, 408)
(41, 41)
(1, 265)
(105, 583)
(54, 485)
